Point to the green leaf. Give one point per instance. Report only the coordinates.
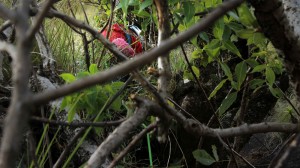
(197, 53)
(227, 102)
(72, 111)
(196, 71)
(218, 29)
(270, 76)
(82, 74)
(252, 62)
(234, 85)
(259, 54)
(145, 23)
(240, 72)
(235, 26)
(226, 33)
(246, 17)
(256, 83)
(93, 68)
(143, 14)
(217, 88)
(257, 39)
(231, 47)
(203, 157)
(204, 37)
(245, 33)
(188, 11)
(133, 2)
(145, 4)
(68, 77)
(212, 49)
(65, 102)
(276, 92)
(259, 68)
(124, 5)
(226, 70)
(215, 153)
(234, 15)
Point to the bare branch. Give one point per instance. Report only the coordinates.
(132, 144)
(39, 18)
(163, 64)
(77, 124)
(245, 129)
(18, 113)
(121, 133)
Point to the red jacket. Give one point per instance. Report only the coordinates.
(118, 32)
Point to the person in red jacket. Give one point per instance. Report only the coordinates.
(119, 35)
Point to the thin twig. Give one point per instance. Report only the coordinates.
(39, 18)
(77, 124)
(68, 148)
(227, 147)
(132, 144)
(122, 132)
(32, 149)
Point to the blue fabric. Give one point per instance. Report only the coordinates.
(128, 38)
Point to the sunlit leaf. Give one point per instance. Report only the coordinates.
(246, 17)
(196, 71)
(68, 77)
(93, 68)
(218, 29)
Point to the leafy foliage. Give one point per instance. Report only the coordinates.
(90, 101)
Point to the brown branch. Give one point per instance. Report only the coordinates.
(18, 113)
(230, 149)
(258, 128)
(135, 140)
(77, 124)
(39, 18)
(32, 148)
(117, 137)
(163, 65)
